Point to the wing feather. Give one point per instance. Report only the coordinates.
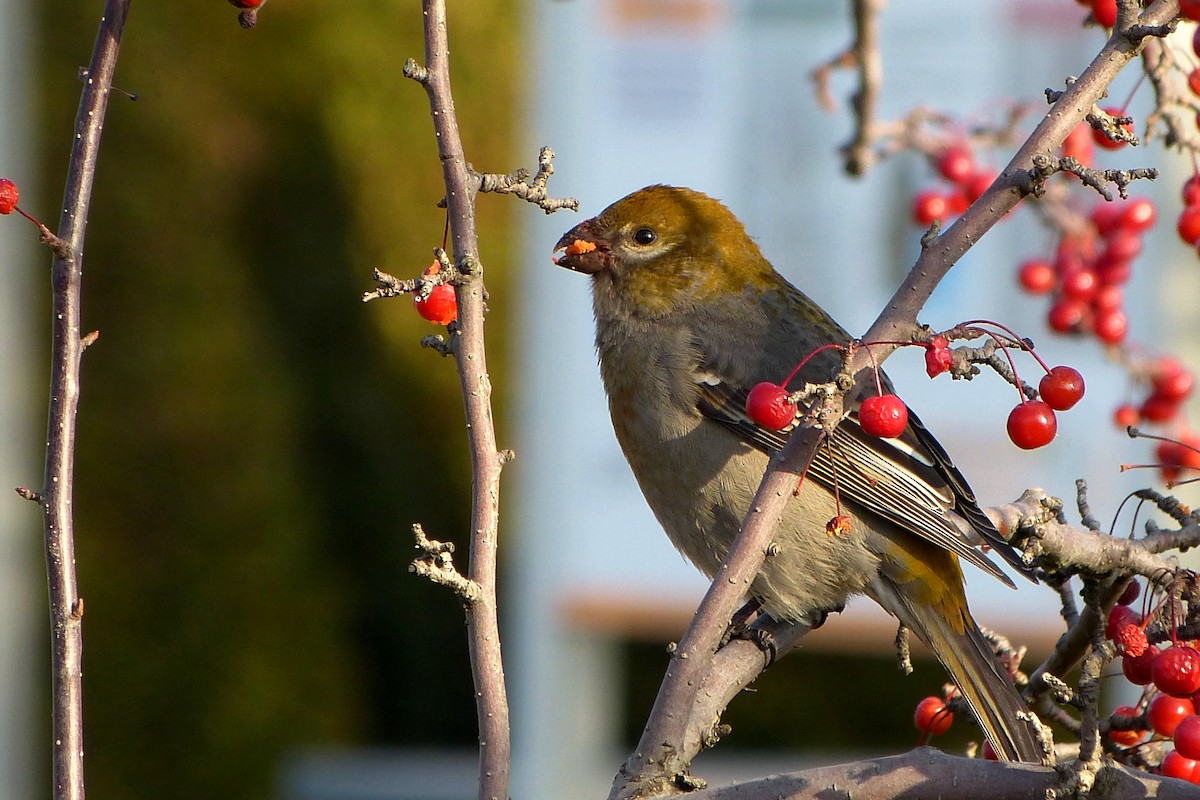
(910, 481)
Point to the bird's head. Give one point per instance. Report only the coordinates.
(666, 243)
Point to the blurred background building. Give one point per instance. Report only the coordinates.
(255, 442)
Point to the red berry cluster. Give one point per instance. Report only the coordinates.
(1170, 384)
(968, 181)
(1032, 423)
(441, 306)
(770, 405)
(1087, 272)
(1172, 675)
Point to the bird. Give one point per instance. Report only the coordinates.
(689, 317)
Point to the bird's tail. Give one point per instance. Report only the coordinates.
(963, 651)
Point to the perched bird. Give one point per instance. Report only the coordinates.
(689, 317)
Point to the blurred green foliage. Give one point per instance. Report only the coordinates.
(254, 441)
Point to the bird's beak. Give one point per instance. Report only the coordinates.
(585, 251)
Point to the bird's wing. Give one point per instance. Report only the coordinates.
(909, 481)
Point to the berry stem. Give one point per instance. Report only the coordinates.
(1129, 98)
(875, 368)
(808, 358)
(1020, 342)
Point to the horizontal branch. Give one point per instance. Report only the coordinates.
(926, 772)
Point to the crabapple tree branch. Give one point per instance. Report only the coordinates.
(467, 345)
(925, 772)
(66, 349)
(661, 760)
(477, 588)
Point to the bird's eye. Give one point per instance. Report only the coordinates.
(644, 236)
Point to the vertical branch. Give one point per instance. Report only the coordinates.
(66, 607)
(869, 61)
(467, 344)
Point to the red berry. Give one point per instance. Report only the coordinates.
(1061, 387)
(247, 3)
(1113, 272)
(1104, 12)
(1067, 315)
(1127, 738)
(975, 185)
(1137, 668)
(1132, 590)
(1036, 276)
(441, 307)
(1191, 187)
(1107, 298)
(1111, 326)
(938, 358)
(1080, 284)
(768, 405)
(1101, 138)
(1138, 215)
(8, 196)
(1194, 80)
(1170, 456)
(1032, 424)
(1126, 415)
(1079, 145)
(883, 415)
(1189, 444)
(1175, 456)
(1157, 408)
(1187, 737)
(1166, 712)
(929, 206)
(1175, 765)
(1119, 617)
(933, 716)
(956, 202)
(1131, 640)
(1188, 225)
(1196, 35)
(1176, 671)
(1122, 244)
(956, 163)
(1173, 381)
(1106, 216)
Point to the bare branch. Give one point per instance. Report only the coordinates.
(467, 344)
(436, 563)
(66, 350)
(926, 772)
(532, 191)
